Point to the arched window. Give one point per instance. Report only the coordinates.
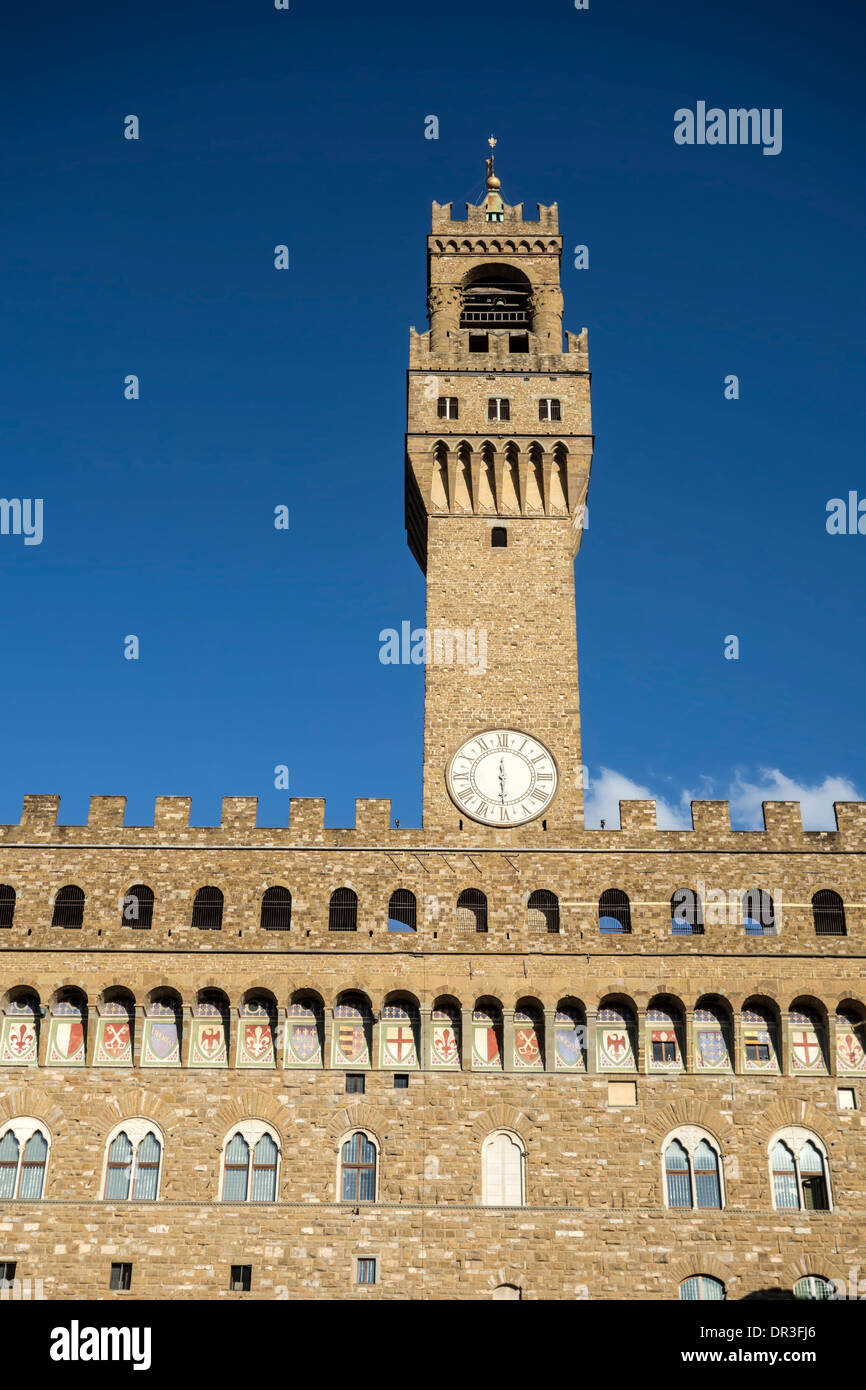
(543, 911)
(614, 911)
(137, 906)
(251, 1161)
(487, 1036)
(615, 1036)
(528, 1034)
(828, 911)
(7, 904)
(207, 909)
(19, 1037)
(276, 909)
(798, 1167)
(133, 1163)
(402, 911)
(445, 1034)
(506, 1293)
(760, 1037)
(570, 1030)
(692, 1170)
(67, 1034)
(664, 1029)
(472, 911)
(398, 1032)
(257, 1026)
(850, 1038)
(502, 1170)
(353, 1029)
(687, 913)
(343, 910)
(713, 1034)
(162, 1027)
(759, 913)
(702, 1287)
(358, 1169)
(807, 1032)
(23, 1160)
(210, 1030)
(115, 1031)
(69, 907)
(813, 1286)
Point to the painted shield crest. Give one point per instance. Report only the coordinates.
(68, 1039)
(615, 1047)
(486, 1044)
(115, 1039)
(807, 1050)
(351, 1041)
(304, 1041)
(257, 1040)
(163, 1038)
(850, 1052)
(712, 1049)
(399, 1043)
(20, 1039)
(445, 1050)
(527, 1052)
(569, 1047)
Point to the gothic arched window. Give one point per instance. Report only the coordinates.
(23, 1160)
(503, 1162)
(798, 1168)
(692, 1170)
(251, 1161)
(133, 1163)
(358, 1163)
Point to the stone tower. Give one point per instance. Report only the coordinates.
(498, 453)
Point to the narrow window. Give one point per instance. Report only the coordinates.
(708, 1192)
(812, 1179)
(119, 1171)
(359, 1169)
(7, 1273)
(7, 904)
(677, 1175)
(264, 1188)
(9, 1149)
(241, 1279)
(785, 1196)
(343, 910)
(499, 537)
(365, 1272)
(121, 1278)
(137, 907)
(237, 1169)
(614, 911)
(447, 408)
(355, 1082)
(207, 909)
(478, 342)
(401, 1081)
(549, 409)
(502, 1171)
(498, 408)
(147, 1169)
(69, 907)
(829, 913)
(402, 911)
(472, 911)
(543, 911)
(276, 909)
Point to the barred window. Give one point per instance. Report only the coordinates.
(358, 1169)
(207, 909)
(828, 911)
(69, 907)
(759, 913)
(132, 1169)
(614, 911)
(137, 906)
(7, 904)
(402, 911)
(343, 910)
(798, 1170)
(543, 911)
(23, 1160)
(702, 1287)
(276, 909)
(692, 1171)
(687, 914)
(472, 911)
(814, 1286)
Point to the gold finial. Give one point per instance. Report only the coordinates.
(492, 180)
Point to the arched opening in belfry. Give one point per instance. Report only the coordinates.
(495, 297)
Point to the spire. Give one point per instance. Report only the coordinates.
(493, 207)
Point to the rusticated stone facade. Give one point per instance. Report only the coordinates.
(589, 1050)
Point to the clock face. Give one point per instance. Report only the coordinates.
(502, 777)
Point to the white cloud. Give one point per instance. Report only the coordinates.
(607, 790)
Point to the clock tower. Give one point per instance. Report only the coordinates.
(498, 453)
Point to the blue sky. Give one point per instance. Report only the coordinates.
(259, 388)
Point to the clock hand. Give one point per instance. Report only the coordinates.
(501, 779)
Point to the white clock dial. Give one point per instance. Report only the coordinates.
(502, 777)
